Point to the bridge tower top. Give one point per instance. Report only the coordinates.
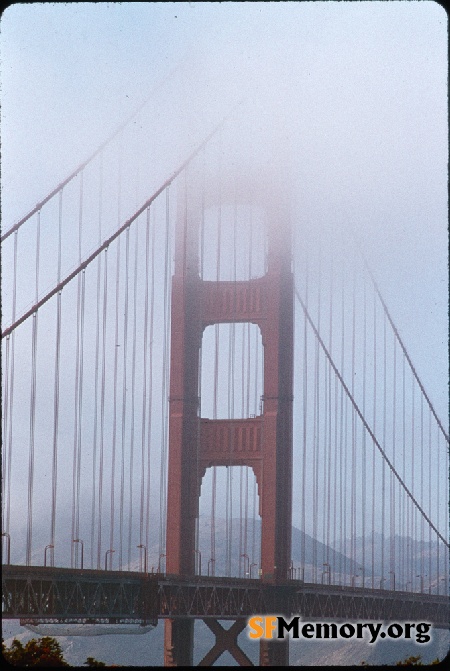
(264, 442)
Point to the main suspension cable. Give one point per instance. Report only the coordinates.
(366, 425)
(60, 285)
(84, 164)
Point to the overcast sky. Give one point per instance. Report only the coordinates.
(362, 90)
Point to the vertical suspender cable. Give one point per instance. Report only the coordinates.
(438, 577)
(341, 442)
(215, 401)
(353, 462)
(374, 428)
(32, 433)
(6, 424)
(124, 346)
(234, 379)
(324, 393)
(335, 473)
(444, 474)
(200, 240)
(422, 529)
(305, 427)
(314, 465)
(430, 512)
(317, 436)
(247, 410)
(383, 470)
(241, 468)
(257, 412)
(230, 471)
(75, 427)
(335, 476)
(102, 409)
(364, 488)
(6, 419)
(144, 381)
(231, 376)
(96, 366)
(343, 448)
(330, 417)
(241, 366)
(163, 480)
(56, 385)
(403, 574)
(81, 370)
(412, 532)
(115, 377)
(78, 365)
(216, 384)
(392, 511)
(150, 279)
(133, 384)
(33, 402)
(9, 435)
(80, 405)
(408, 533)
(124, 399)
(216, 389)
(446, 516)
(346, 479)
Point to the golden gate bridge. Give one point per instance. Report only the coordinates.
(189, 368)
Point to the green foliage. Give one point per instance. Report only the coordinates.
(409, 661)
(39, 652)
(415, 661)
(93, 662)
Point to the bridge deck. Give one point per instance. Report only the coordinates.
(48, 594)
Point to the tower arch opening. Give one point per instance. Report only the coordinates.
(232, 371)
(229, 524)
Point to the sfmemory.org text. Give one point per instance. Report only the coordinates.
(277, 627)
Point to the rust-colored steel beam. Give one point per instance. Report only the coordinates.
(226, 640)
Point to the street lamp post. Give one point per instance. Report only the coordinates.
(199, 561)
(144, 547)
(47, 547)
(245, 556)
(211, 561)
(250, 570)
(393, 579)
(381, 582)
(110, 551)
(77, 540)
(327, 571)
(421, 582)
(159, 561)
(8, 546)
